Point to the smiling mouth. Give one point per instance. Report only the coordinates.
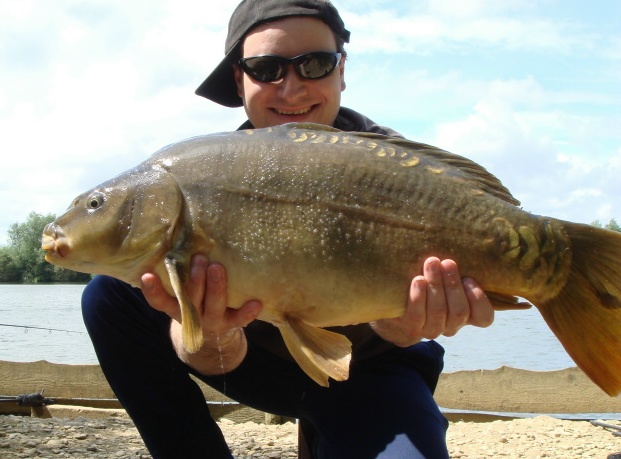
(302, 111)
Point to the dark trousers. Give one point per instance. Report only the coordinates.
(384, 410)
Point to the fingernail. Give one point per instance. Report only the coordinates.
(147, 282)
(254, 308)
(215, 273)
(197, 266)
(433, 266)
(199, 260)
(419, 282)
(469, 283)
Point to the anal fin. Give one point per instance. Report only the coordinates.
(321, 354)
(502, 302)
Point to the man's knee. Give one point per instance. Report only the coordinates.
(102, 295)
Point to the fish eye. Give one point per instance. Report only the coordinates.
(94, 201)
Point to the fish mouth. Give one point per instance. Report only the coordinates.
(54, 242)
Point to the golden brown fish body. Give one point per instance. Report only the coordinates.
(328, 228)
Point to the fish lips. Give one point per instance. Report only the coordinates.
(54, 243)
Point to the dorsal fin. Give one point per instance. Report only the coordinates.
(458, 166)
(461, 166)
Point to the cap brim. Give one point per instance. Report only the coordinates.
(220, 85)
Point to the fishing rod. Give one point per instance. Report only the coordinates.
(41, 328)
(36, 399)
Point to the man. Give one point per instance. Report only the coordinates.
(284, 62)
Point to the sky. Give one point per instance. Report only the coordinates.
(529, 89)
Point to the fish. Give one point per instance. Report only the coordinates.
(310, 220)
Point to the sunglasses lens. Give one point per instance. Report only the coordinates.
(271, 68)
(263, 68)
(316, 65)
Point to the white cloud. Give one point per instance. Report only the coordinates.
(476, 8)
(550, 176)
(464, 27)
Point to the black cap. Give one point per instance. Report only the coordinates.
(220, 85)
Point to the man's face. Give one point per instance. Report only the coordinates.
(292, 98)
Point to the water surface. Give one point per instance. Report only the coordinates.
(519, 339)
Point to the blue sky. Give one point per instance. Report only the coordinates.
(529, 89)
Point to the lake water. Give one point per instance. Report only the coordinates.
(518, 339)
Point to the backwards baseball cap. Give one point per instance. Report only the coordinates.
(220, 85)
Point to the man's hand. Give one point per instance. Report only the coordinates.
(224, 341)
(439, 303)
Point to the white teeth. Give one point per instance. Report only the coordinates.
(296, 112)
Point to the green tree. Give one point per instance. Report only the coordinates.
(66, 275)
(9, 269)
(24, 261)
(25, 241)
(611, 225)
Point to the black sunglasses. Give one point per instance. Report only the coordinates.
(311, 66)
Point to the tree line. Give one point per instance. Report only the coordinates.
(611, 225)
(23, 261)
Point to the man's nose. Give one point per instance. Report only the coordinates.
(292, 85)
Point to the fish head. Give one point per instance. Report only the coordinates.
(120, 228)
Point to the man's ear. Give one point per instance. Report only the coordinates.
(342, 74)
(239, 80)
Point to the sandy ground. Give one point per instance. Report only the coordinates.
(539, 437)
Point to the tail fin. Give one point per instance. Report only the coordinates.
(322, 354)
(586, 314)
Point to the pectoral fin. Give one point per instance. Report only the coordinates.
(191, 331)
(322, 354)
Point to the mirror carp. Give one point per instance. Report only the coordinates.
(311, 220)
